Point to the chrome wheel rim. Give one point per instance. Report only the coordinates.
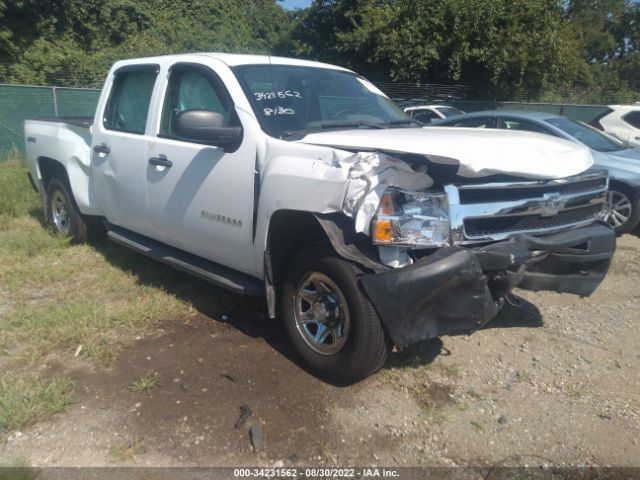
(321, 314)
(60, 210)
(617, 211)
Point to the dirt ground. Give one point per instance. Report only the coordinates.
(553, 382)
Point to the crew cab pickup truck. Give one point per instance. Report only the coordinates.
(302, 182)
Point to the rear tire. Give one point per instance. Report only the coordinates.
(320, 298)
(622, 212)
(63, 215)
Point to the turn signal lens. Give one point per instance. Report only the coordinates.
(382, 231)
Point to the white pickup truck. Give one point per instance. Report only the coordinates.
(303, 182)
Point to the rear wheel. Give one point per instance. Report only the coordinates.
(331, 324)
(622, 211)
(62, 212)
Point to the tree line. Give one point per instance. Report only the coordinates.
(541, 49)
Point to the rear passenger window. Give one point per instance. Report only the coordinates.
(425, 116)
(633, 119)
(128, 104)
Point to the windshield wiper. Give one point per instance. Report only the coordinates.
(333, 124)
(351, 123)
(405, 122)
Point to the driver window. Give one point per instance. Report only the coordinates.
(189, 89)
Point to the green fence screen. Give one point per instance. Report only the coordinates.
(19, 102)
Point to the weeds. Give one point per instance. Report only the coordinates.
(128, 451)
(27, 398)
(476, 426)
(575, 390)
(145, 384)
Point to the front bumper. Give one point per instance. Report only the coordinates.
(458, 290)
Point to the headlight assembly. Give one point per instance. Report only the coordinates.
(411, 219)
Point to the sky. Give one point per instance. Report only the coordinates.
(291, 4)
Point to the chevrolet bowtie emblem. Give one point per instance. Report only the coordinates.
(551, 205)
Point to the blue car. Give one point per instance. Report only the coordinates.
(622, 162)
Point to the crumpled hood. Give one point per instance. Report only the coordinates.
(477, 152)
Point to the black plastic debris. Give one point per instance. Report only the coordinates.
(245, 412)
(230, 377)
(255, 434)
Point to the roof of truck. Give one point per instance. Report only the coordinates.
(233, 59)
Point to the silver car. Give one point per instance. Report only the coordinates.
(622, 162)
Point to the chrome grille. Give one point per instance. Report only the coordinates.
(495, 211)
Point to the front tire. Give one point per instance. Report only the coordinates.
(63, 215)
(331, 324)
(622, 211)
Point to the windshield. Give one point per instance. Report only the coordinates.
(450, 111)
(293, 100)
(590, 137)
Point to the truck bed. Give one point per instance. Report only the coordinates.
(67, 141)
(85, 122)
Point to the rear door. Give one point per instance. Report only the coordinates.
(119, 148)
(201, 199)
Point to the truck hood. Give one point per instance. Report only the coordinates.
(476, 152)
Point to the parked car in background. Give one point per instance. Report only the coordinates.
(430, 113)
(623, 163)
(621, 122)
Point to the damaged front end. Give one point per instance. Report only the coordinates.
(453, 253)
(459, 289)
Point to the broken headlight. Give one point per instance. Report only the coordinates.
(412, 219)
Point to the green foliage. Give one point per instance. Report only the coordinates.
(501, 48)
(74, 42)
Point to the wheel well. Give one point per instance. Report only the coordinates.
(50, 168)
(289, 231)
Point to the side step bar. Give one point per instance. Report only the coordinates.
(219, 275)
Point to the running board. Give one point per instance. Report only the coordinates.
(219, 275)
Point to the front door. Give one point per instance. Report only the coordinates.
(119, 149)
(201, 196)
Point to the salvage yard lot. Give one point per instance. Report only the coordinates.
(107, 358)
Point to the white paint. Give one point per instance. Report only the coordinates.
(476, 152)
(318, 174)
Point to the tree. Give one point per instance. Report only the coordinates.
(74, 42)
(490, 44)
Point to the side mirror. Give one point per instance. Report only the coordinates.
(205, 126)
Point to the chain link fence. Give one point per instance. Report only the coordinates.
(19, 102)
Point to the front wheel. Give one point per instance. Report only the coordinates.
(622, 211)
(331, 324)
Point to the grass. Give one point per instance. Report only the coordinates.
(56, 297)
(574, 390)
(128, 451)
(476, 426)
(26, 398)
(145, 384)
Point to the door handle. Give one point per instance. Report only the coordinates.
(102, 149)
(161, 162)
(638, 137)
